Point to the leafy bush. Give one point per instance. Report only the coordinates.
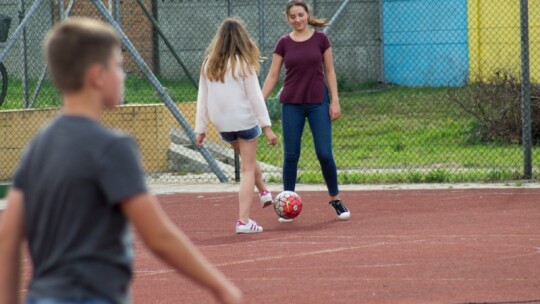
(495, 103)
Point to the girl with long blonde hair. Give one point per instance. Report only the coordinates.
(231, 98)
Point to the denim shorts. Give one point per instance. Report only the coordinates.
(248, 135)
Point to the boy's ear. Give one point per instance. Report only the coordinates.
(94, 76)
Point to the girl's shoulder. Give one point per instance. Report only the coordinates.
(286, 37)
(322, 40)
(320, 34)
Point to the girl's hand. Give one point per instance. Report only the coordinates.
(270, 136)
(335, 110)
(199, 140)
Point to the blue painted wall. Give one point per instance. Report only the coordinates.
(425, 42)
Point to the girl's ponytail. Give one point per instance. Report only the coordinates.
(318, 22)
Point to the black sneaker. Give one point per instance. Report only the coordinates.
(342, 212)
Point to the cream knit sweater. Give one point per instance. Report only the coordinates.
(235, 105)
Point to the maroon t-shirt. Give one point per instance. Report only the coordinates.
(304, 77)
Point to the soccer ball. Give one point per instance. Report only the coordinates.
(288, 204)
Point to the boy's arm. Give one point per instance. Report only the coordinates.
(173, 247)
(11, 238)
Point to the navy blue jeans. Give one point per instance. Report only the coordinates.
(293, 119)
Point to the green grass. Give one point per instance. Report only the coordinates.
(406, 135)
(409, 176)
(4, 188)
(138, 90)
(47, 98)
(393, 135)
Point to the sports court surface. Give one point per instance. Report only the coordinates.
(401, 246)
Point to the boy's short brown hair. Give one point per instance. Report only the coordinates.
(72, 46)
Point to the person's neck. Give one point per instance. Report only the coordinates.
(303, 34)
(85, 104)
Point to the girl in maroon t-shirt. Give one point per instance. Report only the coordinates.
(307, 55)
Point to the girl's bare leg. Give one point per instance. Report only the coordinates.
(248, 150)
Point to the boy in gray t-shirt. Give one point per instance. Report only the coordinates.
(78, 186)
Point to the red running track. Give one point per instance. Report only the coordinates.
(410, 246)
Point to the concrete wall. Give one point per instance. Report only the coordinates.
(190, 25)
(434, 43)
(425, 42)
(150, 125)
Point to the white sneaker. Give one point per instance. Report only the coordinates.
(250, 227)
(284, 220)
(266, 198)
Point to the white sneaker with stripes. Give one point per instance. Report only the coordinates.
(249, 227)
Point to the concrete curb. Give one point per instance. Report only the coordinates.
(172, 188)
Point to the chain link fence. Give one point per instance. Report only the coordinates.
(431, 91)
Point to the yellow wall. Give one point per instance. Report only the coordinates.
(150, 125)
(16, 128)
(494, 38)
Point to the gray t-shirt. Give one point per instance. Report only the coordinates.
(73, 175)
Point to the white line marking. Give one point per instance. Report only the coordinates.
(289, 256)
(420, 235)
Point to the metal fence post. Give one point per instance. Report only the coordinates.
(261, 37)
(61, 13)
(157, 28)
(45, 67)
(116, 10)
(236, 154)
(160, 90)
(381, 44)
(22, 12)
(236, 166)
(525, 90)
(156, 57)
